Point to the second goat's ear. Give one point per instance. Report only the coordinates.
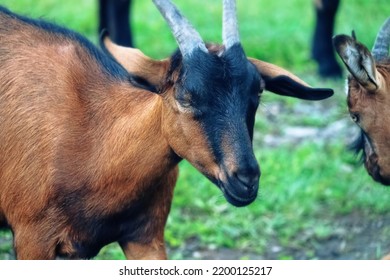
(358, 60)
(283, 82)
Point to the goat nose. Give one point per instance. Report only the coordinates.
(250, 180)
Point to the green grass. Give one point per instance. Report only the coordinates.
(304, 186)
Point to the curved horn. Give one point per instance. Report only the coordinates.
(186, 36)
(230, 26)
(382, 42)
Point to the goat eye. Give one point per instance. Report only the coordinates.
(184, 103)
(355, 117)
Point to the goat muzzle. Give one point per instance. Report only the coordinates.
(240, 188)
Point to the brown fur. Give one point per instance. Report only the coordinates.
(67, 128)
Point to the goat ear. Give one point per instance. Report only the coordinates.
(358, 60)
(282, 82)
(135, 62)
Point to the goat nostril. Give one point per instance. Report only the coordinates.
(249, 181)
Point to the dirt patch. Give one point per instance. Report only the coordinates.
(355, 237)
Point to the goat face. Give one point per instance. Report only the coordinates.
(213, 103)
(368, 98)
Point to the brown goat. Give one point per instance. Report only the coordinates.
(368, 98)
(89, 151)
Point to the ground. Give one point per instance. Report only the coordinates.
(357, 237)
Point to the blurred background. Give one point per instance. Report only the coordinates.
(316, 201)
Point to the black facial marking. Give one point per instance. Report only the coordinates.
(224, 94)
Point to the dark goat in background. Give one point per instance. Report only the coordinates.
(90, 141)
(322, 47)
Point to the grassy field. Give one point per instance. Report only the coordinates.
(309, 184)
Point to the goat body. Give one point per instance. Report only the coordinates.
(78, 167)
